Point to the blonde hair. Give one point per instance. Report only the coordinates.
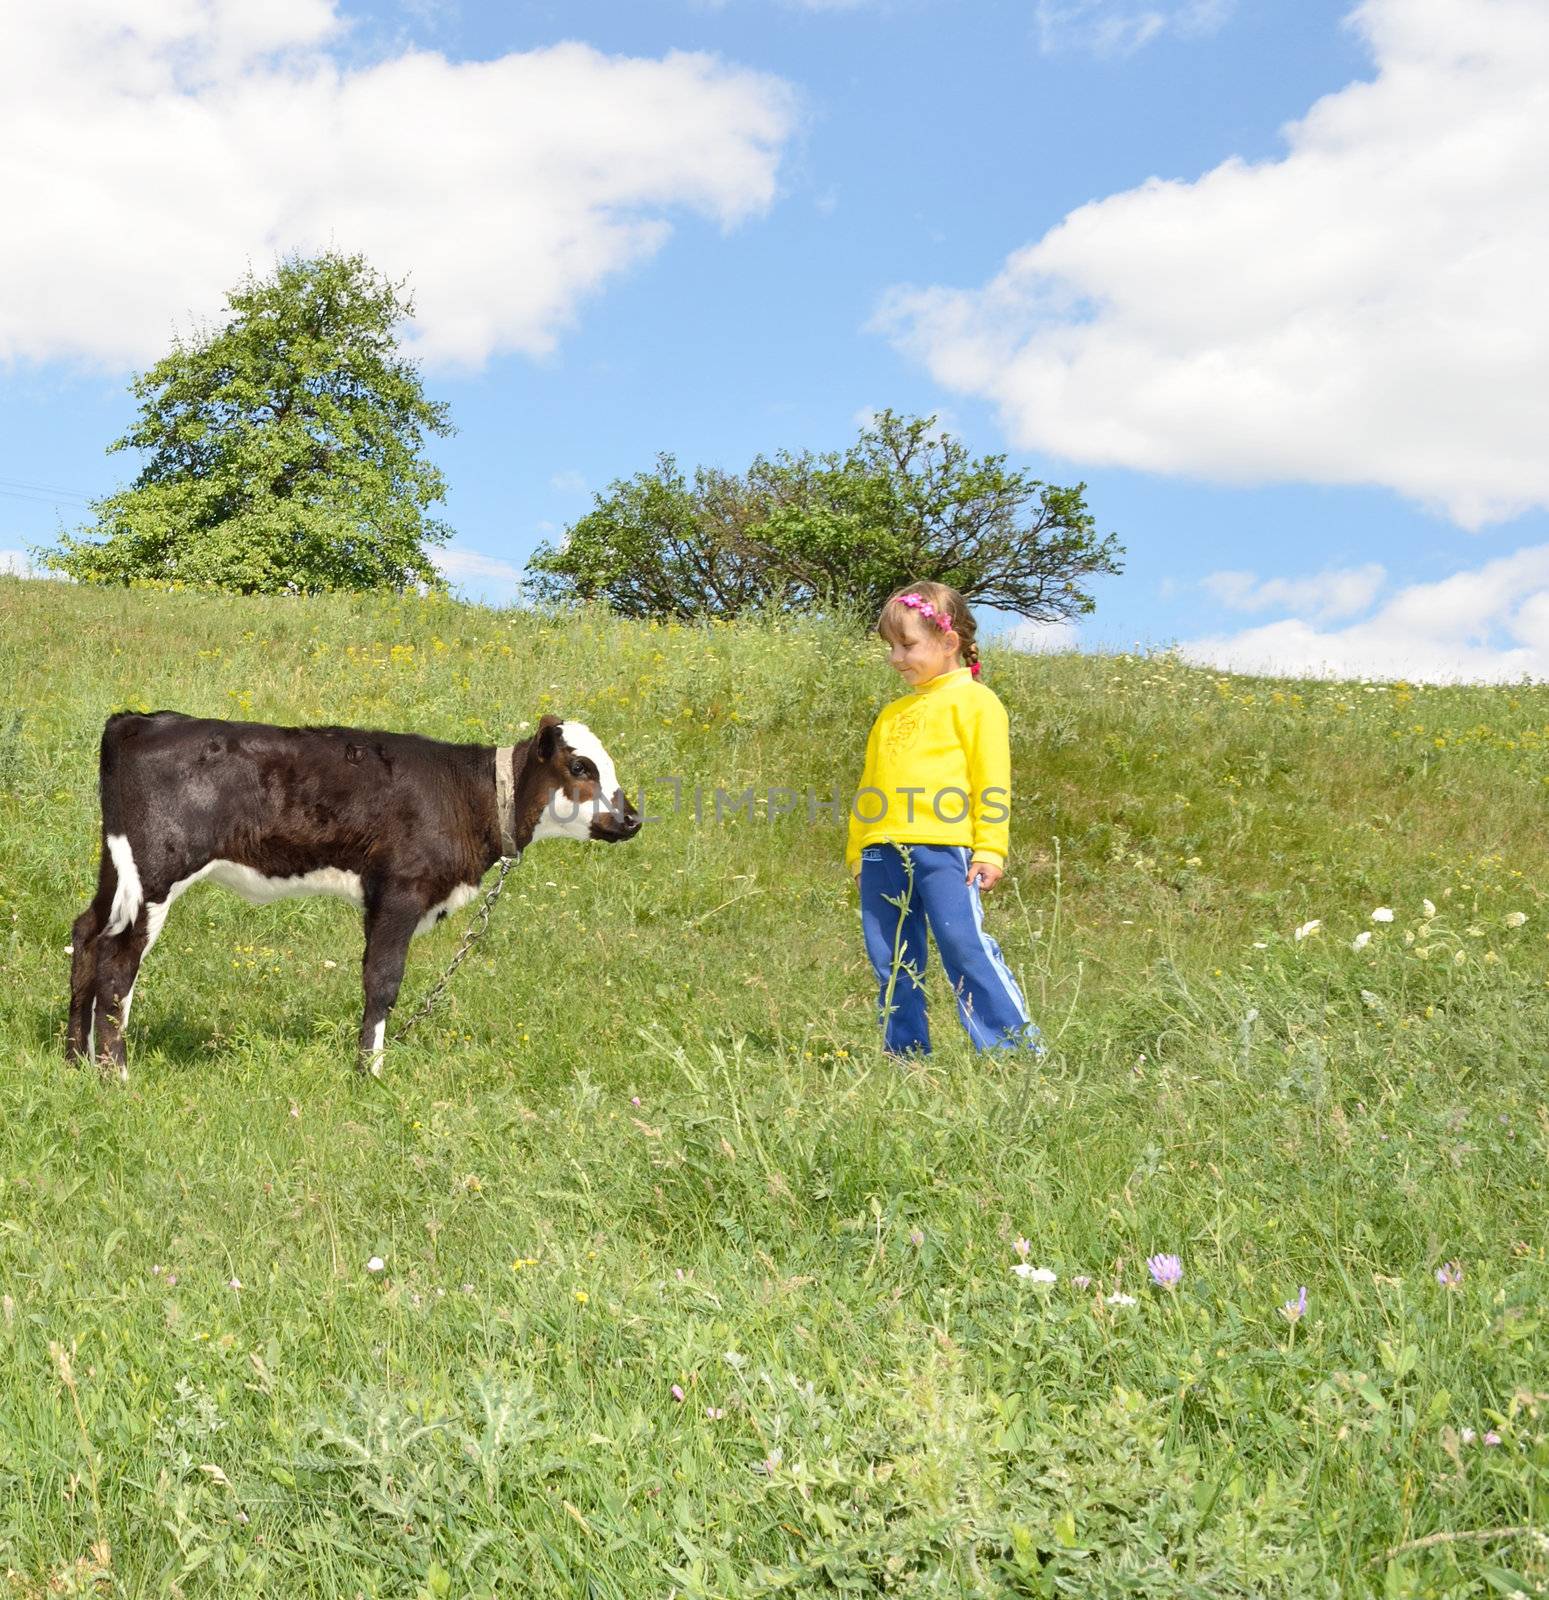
(945, 601)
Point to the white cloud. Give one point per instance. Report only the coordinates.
(1335, 592)
(154, 150)
(1110, 27)
(1041, 637)
(568, 482)
(474, 568)
(1485, 624)
(1367, 310)
(19, 564)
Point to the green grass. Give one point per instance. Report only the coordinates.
(811, 1244)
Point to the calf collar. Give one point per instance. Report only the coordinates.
(505, 802)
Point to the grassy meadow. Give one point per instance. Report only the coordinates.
(685, 1291)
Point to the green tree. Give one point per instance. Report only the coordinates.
(807, 531)
(284, 450)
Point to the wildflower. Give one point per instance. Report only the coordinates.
(1307, 928)
(582, 1296)
(1515, 919)
(1022, 1247)
(634, 1099)
(155, 1272)
(1468, 1436)
(295, 1110)
(715, 1413)
(1034, 1274)
(467, 1288)
(1361, 940)
(1428, 908)
(677, 1392)
(1492, 1438)
(1117, 1299)
(1295, 1310)
(375, 1264)
(916, 1237)
(1450, 1275)
(1383, 914)
(172, 1280)
(1081, 1281)
(1165, 1271)
(236, 1283)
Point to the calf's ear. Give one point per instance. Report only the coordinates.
(546, 740)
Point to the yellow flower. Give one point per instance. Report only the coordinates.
(582, 1296)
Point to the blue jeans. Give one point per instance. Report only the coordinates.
(904, 888)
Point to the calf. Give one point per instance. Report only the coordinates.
(402, 826)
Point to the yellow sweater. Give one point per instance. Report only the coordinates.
(938, 771)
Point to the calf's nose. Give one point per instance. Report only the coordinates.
(625, 815)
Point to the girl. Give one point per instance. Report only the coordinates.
(929, 828)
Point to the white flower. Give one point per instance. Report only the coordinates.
(1371, 1001)
(375, 1264)
(1361, 940)
(1515, 919)
(1117, 1299)
(1258, 944)
(1428, 908)
(1308, 927)
(1383, 914)
(236, 1283)
(1034, 1274)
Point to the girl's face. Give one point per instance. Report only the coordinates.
(921, 651)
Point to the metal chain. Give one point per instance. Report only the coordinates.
(475, 931)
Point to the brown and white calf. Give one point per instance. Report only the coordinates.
(402, 826)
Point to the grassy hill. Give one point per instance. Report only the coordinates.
(686, 1290)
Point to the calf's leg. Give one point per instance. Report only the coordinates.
(390, 924)
(83, 980)
(118, 963)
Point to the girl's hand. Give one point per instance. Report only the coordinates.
(986, 876)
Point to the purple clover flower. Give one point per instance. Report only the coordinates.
(1166, 1271)
(1295, 1310)
(1450, 1275)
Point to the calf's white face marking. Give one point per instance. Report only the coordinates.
(564, 818)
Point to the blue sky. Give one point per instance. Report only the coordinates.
(1267, 367)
